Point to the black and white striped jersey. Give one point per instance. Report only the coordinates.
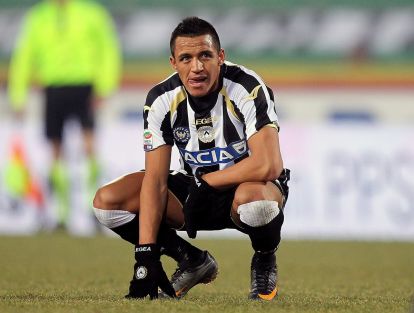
(211, 132)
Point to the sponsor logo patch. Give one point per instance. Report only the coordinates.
(216, 155)
(147, 134)
(181, 134)
(147, 140)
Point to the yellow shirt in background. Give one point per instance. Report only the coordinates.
(65, 45)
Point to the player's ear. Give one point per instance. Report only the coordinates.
(172, 62)
(221, 56)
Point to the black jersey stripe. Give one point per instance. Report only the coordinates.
(166, 130)
(235, 73)
(165, 86)
(231, 106)
(271, 94)
(261, 104)
(179, 98)
(272, 97)
(181, 120)
(186, 167)
(229, 129)
(256, 93)
(145, 115)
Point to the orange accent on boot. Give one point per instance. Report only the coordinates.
(270, 296)
(180, 292)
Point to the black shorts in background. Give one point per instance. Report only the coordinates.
(65, 102)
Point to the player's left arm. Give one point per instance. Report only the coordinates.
(264, 163)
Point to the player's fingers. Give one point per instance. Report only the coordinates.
(165, 286)
(191, 233)
(153, 292)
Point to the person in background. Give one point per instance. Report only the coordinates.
(70, 48)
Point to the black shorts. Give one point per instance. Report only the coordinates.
(219, 217)
(67, 102)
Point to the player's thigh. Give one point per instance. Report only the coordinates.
(120, 194)
(255, 191)
(178, 182)
(124, 194)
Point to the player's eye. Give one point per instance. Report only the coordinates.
(206, 55)
(184, 58)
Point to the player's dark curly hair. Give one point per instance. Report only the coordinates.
(191, 27)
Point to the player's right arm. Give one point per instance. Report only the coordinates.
(154, 192)
(157, 144)
(153, 202)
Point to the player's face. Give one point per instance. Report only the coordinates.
(197, 62)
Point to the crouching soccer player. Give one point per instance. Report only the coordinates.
(222, 118)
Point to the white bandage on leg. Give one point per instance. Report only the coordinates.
(258, 213)
(113, 218)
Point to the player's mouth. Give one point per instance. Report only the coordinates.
(198, 81)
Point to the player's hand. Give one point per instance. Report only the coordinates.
(199, 199)
(148, 274)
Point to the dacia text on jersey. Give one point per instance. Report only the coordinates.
(215, 155)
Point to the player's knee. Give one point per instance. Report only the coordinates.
(97, 200)
(113, 218)
(246, 195)
(104, 210)
(258, 213)
(102, 199)
(262, 220)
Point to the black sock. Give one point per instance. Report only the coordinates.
(128, 231)
(176, 247)
(266, 238)
(171, 244)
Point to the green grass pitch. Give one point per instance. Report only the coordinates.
(58, 273)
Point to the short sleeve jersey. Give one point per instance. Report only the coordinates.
(210, 132)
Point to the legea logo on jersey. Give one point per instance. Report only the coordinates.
(203, 121)
(181, 134)
(216, 155)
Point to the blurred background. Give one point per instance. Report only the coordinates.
(343, 76)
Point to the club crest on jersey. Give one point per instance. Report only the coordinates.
(181, 134)
(205, 134)
(216, 155)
